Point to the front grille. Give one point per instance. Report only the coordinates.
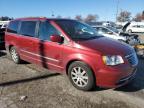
(132, 59)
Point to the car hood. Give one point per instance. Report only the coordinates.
(106, 46)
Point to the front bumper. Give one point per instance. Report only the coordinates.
(113, 78)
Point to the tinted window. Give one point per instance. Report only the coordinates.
(13, 27)
(134, 26)
(46, 30)
(28, 28)
(141, 26)
(77, 30)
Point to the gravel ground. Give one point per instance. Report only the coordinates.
(44, 89)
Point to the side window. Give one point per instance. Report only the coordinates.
(28, 28)
(13, 27)
(46, 30)
(138, 26)
(141, 26)
(135, 26)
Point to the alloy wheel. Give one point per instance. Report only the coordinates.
(79, 76)
(14, 55)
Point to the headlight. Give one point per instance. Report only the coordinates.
(113, 60)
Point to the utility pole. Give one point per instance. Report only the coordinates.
(117, 9)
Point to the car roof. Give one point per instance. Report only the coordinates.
(40, 18)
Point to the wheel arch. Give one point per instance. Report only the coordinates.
(80, 60)
(90, 67)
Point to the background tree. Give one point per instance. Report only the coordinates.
(124, 16)
(5, 18)
(143, 15)
(79, 18)
(138, 17)
(91, 18)
(59, 16)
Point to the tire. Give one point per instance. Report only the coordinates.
(14, 55)
(84, 80)
(129, 31)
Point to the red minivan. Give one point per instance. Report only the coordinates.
(74, 48)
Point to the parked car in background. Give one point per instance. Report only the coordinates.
(3, 25)
(73, 48)
(117, 35)
(102, 23)
(134, 27)
(131, 39)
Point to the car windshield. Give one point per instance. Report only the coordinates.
(113, 29)
(77, 30)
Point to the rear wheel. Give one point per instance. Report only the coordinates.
(81, 76)
(14, 55)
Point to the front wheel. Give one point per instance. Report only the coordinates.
(81, 76)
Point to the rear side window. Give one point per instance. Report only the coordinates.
(28, 28)
(13, 27)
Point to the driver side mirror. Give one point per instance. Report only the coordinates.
(56, 38)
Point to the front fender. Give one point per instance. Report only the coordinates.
(91, 61)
